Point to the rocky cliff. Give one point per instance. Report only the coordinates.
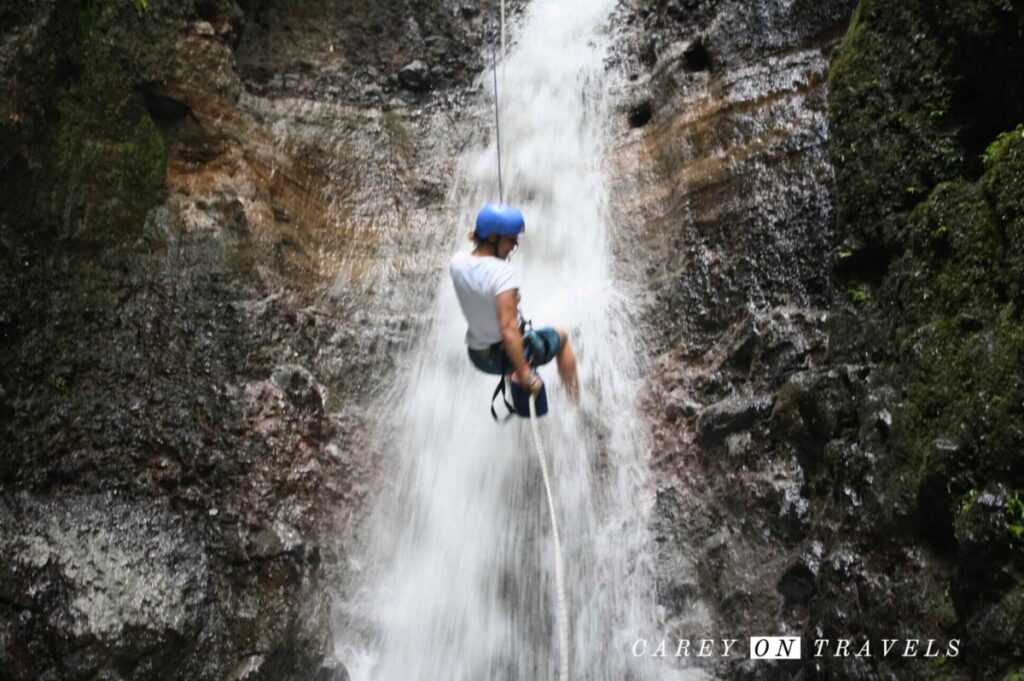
(826, 213)
(219, 224)
(213, 218)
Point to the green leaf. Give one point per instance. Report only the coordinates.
(859, 295)
(86, 21)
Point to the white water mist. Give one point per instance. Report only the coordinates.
(459, 583)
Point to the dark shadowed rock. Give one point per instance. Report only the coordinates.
(649, 52)
(740, 343)
(935, 516)
(415, 76)
(640, 114)
(696, 56)
(984, 544)
(811, 407)
(331, 670)
(299, 384)
(797, 583)
(731, 415)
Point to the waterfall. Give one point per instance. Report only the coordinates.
(458, 583)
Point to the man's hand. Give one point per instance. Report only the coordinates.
(530, 380)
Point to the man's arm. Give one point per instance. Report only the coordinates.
(511, 337)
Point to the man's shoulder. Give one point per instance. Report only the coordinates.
(459, 261)
(484, 271)
(463, 260)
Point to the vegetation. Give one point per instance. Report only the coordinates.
(928, 148)
(103, 155)
(936, 219)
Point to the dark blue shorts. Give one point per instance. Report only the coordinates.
(540, 346)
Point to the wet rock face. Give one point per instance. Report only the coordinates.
(886, 340)
(97, 582)
(732, 217)
(197, 300)
(369, 52)
(738, 202)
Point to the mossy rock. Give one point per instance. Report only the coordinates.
(993, 635)
(928, 146)
(961, 334)
(916, 90)
(890, 141)
(955, 250)
(1003, 186)
(91, 163)
(109, 168)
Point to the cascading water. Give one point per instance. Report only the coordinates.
(459, 584)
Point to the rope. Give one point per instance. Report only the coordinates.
(497, 122)
(563, 618)
(562, 614)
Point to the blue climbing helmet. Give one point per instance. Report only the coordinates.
(499, 218)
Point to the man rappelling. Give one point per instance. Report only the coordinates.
(487, 286)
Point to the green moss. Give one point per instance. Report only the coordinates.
(954, 256)
(962, 336)
(1003, 186)
(859, 295)
(81, 166)
(108, 156)
(966, 388)
(930, 198)
(1015, 515)
(92, 162)
(913, 89)
(885, 136)
(967, 502)
(109, 165)
(1002, 145)
(955, 300)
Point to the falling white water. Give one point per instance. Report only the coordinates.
(459, 579)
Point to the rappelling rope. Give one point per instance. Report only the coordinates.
(563, 617)
(562, 613)
(503, 29)
(497, 121)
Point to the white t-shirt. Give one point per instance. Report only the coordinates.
(478, 279)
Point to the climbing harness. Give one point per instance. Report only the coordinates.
(508, 388)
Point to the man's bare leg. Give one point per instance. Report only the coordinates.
(566, 361)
